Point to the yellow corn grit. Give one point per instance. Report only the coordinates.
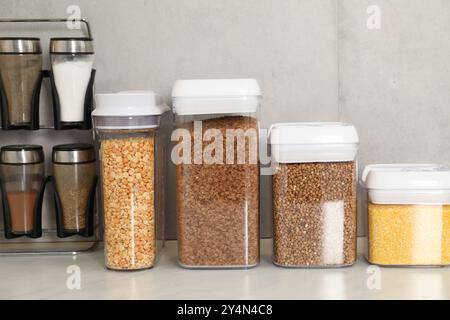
(417, 235)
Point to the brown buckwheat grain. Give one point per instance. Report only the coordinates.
(128, 192)
(218, 206)
(314, 208)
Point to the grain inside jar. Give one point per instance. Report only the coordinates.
(415, 235)
(128, 200)
(314, 207)
(218, 204)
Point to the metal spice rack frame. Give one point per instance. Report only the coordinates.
(49, 242)
(52, 20)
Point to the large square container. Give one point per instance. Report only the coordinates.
(408, 207)
(314, 194)
(217, 171)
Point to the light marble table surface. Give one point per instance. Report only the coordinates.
(46, 277)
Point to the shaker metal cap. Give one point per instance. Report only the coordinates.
(73, 153)
(71, 46)
(216, 96)
(15, 45)
(22, 154)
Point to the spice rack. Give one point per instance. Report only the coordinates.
(49, 133)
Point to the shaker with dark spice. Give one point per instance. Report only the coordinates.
(314, 194)
(22, 185)
(75, 177)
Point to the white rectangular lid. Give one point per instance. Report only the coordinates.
(215, 96)
(313, 142)
(407, 183)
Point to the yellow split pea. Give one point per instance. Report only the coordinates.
(414, 235)
(128, 195)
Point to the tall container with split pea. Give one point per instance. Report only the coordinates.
(128, 126)
(408, 207)
(314, 194)
(217, 169)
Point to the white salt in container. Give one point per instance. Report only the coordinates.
(72, 63)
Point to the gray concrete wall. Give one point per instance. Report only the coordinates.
(394, 81)
(316, 60)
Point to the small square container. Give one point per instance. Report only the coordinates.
(314, 194)
(408, 207)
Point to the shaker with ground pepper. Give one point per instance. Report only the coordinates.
(314, 194)
(20, 82)
(132, 158)
(22, 185)
(74, 176)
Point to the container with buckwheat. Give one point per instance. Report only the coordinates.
(314, 194)
(217, 170)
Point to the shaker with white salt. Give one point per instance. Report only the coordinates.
(72, 63)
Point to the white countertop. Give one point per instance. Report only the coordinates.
(45, 277)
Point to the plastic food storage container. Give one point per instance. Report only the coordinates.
(408, 208)
(22, 184)
(217, 170)
(72, 78)
(75, 181)
(20, 82)
(314, 194)
(132, 157)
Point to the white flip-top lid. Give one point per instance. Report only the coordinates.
(407, 183)
(128, 109)
(215, 96)
(313, 142)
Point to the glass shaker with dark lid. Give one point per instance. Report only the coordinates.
(75, 180)
(22, 185)
(20, 82)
